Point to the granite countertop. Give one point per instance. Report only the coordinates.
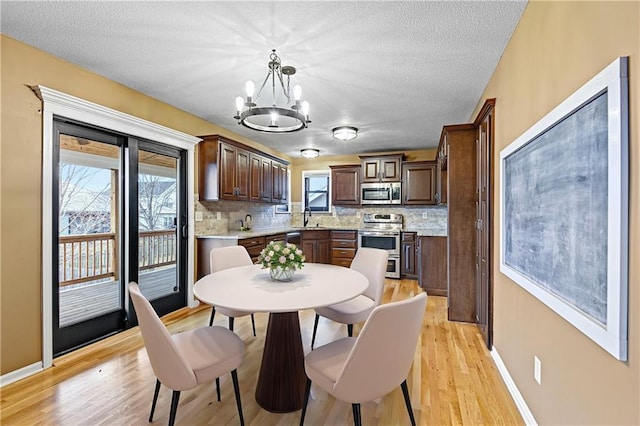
(429, 232)
(236, 234)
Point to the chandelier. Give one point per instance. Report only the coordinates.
(274, 119)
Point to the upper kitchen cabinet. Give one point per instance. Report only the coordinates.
(234, 172)
(419, 183)
(345, 185)
(228, 170)
(260, 179)
(279, 183)
(381, 168)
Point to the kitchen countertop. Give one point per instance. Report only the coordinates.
(232, 235)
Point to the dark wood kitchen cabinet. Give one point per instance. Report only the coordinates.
(260, 179)
(419, 183)
(381, 168)
(441, 171)
(343, 247)
(316, 246)
(254, 246)
(432, 265)
(229, 170)
(279, 183)
(408, 255)
(234, 173)
(461, 220)
(345, 185)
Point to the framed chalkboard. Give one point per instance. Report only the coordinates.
(564, 209)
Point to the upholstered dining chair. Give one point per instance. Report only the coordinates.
(372, 263)
(224, 258)
(368, 367)
(184, 360)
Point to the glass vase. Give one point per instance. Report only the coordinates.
(285, 274)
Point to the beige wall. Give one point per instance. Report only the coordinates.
(20, 179)
(556, 48)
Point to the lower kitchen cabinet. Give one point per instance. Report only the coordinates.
(343, 247)
(254, 246)
(432, 252)
(316, 246)
(408, 255)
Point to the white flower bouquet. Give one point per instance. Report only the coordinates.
(278, 255)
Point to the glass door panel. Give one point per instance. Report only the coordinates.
(88, 297)
(158, 236)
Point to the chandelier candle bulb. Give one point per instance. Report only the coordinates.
(249, 87)
(297, 92)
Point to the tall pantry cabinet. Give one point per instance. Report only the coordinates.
(459, 144)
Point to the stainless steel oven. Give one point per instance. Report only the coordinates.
(382, 231)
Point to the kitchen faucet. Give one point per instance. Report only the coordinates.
(305, 219)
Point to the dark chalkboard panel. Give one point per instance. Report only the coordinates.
(555, 209)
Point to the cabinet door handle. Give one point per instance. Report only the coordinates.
(406, 257)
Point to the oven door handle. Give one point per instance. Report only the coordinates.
(376, 234)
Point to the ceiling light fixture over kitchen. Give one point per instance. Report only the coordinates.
(345, 133)
(274, 119)
(309, 153)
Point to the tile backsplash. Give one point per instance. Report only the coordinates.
(220, 217)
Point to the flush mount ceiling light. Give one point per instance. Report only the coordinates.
(274, 119)
(309, 153)
(345, 133)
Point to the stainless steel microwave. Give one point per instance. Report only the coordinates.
(380, 193)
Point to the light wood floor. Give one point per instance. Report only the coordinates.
(453, 380)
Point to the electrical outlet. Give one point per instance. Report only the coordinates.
(357, 214)
(218, 215)
(425, 215)
(537, 369)
(198, 216)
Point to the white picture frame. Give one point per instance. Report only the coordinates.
(529, 232)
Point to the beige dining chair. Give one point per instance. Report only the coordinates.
(372, 263)
(185, 360)
(365, 368)
(224, 258)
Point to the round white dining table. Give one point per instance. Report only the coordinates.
(282, 379)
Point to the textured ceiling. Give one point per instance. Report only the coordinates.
(398, 71)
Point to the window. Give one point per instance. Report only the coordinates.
(316, 196)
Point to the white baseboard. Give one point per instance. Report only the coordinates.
(21, 373)
(527, 415)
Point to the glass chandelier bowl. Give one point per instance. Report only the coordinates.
(345, 133)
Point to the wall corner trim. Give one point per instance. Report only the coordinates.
(21, 373)
(527, 415)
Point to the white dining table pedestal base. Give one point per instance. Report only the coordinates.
(282, 379)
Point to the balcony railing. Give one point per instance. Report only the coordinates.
(92, 257)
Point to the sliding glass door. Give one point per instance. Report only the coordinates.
(119, 207)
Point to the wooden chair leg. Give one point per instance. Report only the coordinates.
(155, 399)
(231, 320)
(305, 401)
(253, 325)
(407, 401)
(315, 328)
(357, 420)
(350, 330)
(174, 407)
(236, 389)
(218, 387)
(213, 314)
